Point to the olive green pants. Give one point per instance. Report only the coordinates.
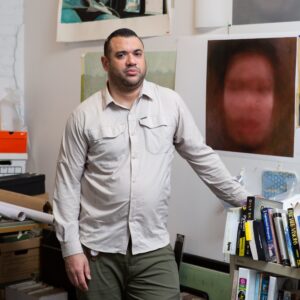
(147, 276)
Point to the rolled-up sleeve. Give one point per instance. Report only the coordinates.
(204, 160)
(67, 193)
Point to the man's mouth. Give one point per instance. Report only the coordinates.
(132, 71)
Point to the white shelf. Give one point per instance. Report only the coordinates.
(276, 269)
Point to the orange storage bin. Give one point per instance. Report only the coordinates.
(13, 141)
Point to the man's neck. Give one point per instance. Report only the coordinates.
(124, 98)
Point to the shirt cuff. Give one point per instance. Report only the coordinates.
(71, 248)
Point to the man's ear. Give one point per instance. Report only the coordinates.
(105, 62)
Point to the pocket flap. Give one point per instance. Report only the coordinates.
(106, 132)
(153, 122)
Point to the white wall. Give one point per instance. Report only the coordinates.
(11, 45)
(52, 91)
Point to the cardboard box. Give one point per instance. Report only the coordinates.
(12, 163)
(32, 202)
(13, 141)
(31, 290)
(19, 260)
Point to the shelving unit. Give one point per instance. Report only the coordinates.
(272, 268)
(8, 227)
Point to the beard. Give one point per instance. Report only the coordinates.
(125, 82)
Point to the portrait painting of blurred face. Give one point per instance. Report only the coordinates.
(249, 100)
(265, 11)
(250, 96)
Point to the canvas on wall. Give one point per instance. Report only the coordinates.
(250, 96)
(160, 69)
(85, 20)
(265, 11)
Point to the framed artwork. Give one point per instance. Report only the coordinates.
(84, 20)
(250, 96)
(265, 11)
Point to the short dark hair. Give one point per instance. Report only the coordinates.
(123, 32)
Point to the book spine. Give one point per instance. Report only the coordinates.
(246, 284)
(260, 238)
(257, 285)
(278, 225)
(275, 240)
(242, 286)
(288, 239)
(264, 287)
(242, 233)
(231, 229)
(293, 233)
(269, 235)
(250, 208)
(249, 217)
(251, 239)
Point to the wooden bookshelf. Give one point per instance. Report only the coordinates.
(268, 267)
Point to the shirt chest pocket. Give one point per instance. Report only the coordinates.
(157, 134)
(107, 144)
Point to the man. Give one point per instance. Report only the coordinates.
(113, 180)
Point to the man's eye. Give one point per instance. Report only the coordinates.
(138, 54)
(120, 55)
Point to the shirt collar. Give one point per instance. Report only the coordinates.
(146, 92)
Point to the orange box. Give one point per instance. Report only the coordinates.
(13, 141)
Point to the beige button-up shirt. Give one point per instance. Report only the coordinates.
(113, 172)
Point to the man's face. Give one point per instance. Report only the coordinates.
(249, 100)
(125, 64)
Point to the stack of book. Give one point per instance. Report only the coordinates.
(251, 284)
(264, 231)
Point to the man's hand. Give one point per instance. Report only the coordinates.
(78, 270)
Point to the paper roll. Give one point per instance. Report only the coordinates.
(12, 212)
(30, 213)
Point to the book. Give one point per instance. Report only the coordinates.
(288, 238)
(257, 285)
(269, 234)
(250, 240)
(275, 284)
(241, 235)
(250, 208)
(246, 284)
(297, 219)
(264, 286)
(278, 226)
(231, 228)
(249, 217)
(275, 239)
(261, 203)
(260, 240)
(293, 233)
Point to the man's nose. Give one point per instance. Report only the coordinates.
(131, 59)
